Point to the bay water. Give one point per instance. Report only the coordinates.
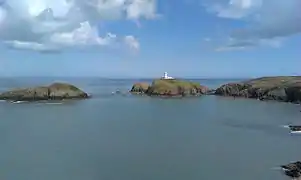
(124, 137)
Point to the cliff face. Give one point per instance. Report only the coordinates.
(170, 88)
(281, 88)
(139, 88)
(56, 91)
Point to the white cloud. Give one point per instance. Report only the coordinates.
(134, 9)
(235, 8)
(265, 20)
(132, 42)
(82, 36)
(234, 44)
(31, 46)
(2, 15)
(67, 22)
(145, 8)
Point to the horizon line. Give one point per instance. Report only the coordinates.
(137, 77)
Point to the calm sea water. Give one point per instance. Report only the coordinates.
(124, 137)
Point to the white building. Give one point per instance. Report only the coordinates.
(166, 76)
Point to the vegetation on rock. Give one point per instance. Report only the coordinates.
(280, 88)
(56, 91)
(170, 87)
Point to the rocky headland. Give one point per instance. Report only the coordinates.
(55, 91)
(169, 88)
(279, 88)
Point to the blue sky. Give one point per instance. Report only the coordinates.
(144, 38)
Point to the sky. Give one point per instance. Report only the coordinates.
(145, 38)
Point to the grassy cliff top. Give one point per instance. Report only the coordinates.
(168, 83)
(172, 86)
(63, 86)
(277, 81)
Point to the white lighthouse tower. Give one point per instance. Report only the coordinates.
(166, 76)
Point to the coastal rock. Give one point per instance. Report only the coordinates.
(210, 92)
(56, 91)
(170, 88)
(281, 88)
(292, 170)
(294, 128)
(139, 88)
(233, 89)
(293, 92)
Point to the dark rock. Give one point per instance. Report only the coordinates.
(294, 128)
(282, 88)
(293, 93)
(56, 91)
(210, 92)
(278, 94)
(139, 88)
(232, 89)
(292, 170)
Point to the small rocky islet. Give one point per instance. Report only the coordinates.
(55, 91)
(279, 88)
(169, 88)
(292, 170)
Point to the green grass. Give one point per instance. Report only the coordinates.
(277, 81)
(64, 86)
(164, 85)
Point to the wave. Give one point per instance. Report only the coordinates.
(277, 168)
(295, 132)
(285, 126)
(36, 102)
(53, 103)
(18, 102)
(266, 128)
(109, 94)
(291, 132)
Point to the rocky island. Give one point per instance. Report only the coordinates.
(169, 88)
(55, 91)
(279, 88)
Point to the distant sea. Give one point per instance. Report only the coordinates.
(126, 137)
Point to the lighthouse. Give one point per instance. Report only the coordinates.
(166, 76)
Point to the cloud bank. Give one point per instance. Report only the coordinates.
(52, 25)
(267, 22)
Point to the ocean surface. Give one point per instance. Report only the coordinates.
(126, 137)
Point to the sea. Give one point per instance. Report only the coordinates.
(119, 136)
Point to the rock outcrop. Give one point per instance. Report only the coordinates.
(139, 88)
(292, 170)
(56, 91)
(170, 88)
(281, 88)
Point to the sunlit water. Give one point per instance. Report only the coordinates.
(124, 137)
